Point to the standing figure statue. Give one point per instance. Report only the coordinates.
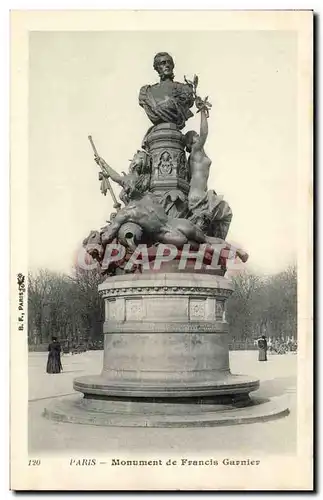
(206, 209)
(199, 162)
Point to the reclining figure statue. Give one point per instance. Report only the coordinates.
(143, 209)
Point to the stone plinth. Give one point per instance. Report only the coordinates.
(147, 413)
(166, 336)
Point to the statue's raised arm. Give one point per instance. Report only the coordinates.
(203, 107)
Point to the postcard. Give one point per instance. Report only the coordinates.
(161, 250)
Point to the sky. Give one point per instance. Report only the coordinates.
(83, 83)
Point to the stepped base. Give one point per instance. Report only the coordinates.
(228, 385)
(145, 413)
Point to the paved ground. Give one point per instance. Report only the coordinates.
(277, 376)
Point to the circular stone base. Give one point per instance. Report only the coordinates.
(121, 413)
(101, 385)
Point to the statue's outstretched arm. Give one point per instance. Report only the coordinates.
(119, 179)
(203, 106)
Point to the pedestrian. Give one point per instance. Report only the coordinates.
(54, 364)
(262, 348)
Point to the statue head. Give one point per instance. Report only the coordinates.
(191, 138)
(140, 163)
(164, 65)
(130, 234)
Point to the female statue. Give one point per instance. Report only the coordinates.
(207, 210)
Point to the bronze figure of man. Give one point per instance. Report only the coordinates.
(167, 101)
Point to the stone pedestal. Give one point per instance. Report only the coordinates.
(166, 359)
(166, 336)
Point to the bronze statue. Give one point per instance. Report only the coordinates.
(161, 176)
(167, 101)
(143, 209)
(198, 162)
(137, 179)
(206, 209)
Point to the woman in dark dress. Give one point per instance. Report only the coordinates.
(54, 364)
(262, 346)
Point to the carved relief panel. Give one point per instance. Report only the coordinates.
(134, 309)
(165, 164)
(197, 309)
(114, 310)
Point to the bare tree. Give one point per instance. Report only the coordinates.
(66, 306)
(264, 305)
(71, 308)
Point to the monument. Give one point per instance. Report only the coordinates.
(164, 256)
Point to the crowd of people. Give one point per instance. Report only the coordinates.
(281, 345)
